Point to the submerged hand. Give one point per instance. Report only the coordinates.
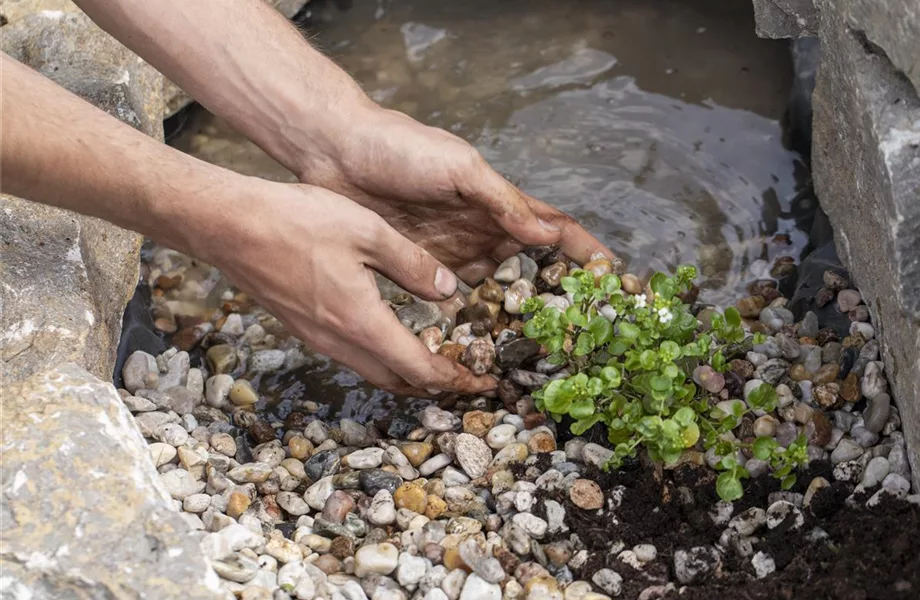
(306, 254)
(438, 191)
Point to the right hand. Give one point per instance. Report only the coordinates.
(307, 254)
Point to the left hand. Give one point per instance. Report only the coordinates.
(438, 191)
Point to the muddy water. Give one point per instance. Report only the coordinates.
(655, 123)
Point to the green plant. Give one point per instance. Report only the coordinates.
(630, 361)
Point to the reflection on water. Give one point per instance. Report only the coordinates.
(655, 123)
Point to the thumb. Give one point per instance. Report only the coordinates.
(410, 266)
(507, 205)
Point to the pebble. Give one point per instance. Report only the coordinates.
(500, 436)
(419, 315)
(376, 558)
(596, 455)
(763, 564)
(374, 480)
(292, 503)
(476, 588)
(694, 566)
(783, 512)
(586, 494)
(847, 300)
(473, 455)
(533, 525)
(435, 419)
(322, 464)
(846, 450)
(222, 358)
(369, 458)
(412, 497)
(140, 372)
(509, 270)
(877, 412)
(242, 393)
(434, 464)
(180, 484)
(161, 453)
(266, 360)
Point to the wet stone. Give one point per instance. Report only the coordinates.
(511, 355)
(374, 480)
(418, 316)
(322, 464)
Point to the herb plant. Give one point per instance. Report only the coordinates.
(630, 361)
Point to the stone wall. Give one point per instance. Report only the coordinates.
(82, 511)
(866, 163)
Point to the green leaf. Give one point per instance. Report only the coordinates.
(581, 409)
(669, 351)
(669, 456)
(575, 316)
(684, 416)
(648, 359)
(671, 371)
(556, 398)
(728, 487)
(763, 447)
(628, 330)
(532, 304)
(582, 425)
(570, 284)
(763, 397)
(729, 462)
(718, 361)
(611, 376)
(759, 338)
(601, 329)
(532, 328)
(732, 317)
(609, 284)
(788, 482)
(663, 286)
(584, 344)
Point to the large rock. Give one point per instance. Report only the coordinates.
(785, 18)
(67, 277)
(866, 161)
(893, 26)
(83, 513)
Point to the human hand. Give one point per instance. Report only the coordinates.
(438, 191)
(306, 255)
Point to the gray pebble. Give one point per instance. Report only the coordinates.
(809, 325)
(846, 450)
(876, 414)
(420, 315)
(529, 268)
(266, 360)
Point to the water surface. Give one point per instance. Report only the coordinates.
(653, 122)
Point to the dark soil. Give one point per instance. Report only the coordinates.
(869, 553)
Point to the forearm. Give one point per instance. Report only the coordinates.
(59, 150)
(244, 62)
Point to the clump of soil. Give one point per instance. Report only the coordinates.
(869, 553)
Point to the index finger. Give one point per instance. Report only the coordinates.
(403, 353)
(575, 241)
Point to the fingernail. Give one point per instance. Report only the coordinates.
(445, 282)
(547, 225)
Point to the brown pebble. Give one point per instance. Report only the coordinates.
(534, 419)
(826, 335)
(741, 368)
(541, 442)
(599, 267)
(435, 508)
(553, 274)
(798, 372)
(342, 547)
(417, 452)
(168, 282)
(750, 307)
(849, 390)
(827, 396)
(823, 428)
(857, 340)
(411, 497)
(506, 558)
(328, 564)
(631, 284)
(452, 561)
(337, 506)
(508, 393)
(165, 324)
(826, 374)
(261, 432)
(237, 504)
(478, 423)
(859, 314)
(452, 351)
(296, 421)
(491, 291)
(558, 553)
(586, 494)
(823, 297)
(807, 341)
(834, 281)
